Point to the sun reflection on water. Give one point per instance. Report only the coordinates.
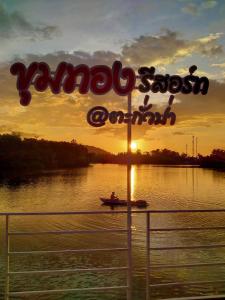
(133, 180)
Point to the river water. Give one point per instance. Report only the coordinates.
(78, 190)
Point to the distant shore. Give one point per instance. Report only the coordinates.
(24, 157)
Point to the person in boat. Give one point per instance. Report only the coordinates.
(113, 196)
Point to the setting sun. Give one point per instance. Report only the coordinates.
(133, 146)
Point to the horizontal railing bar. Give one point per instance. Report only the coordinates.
(66, 251)
(68, 232)
(187, 228)
(109, 212)
(186, 211)
(187, 265)
(69, 290)
(69, 270)
(186, 283)
(85, 212)
(198, 297)
(188, 247)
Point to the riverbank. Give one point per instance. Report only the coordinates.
(30, 155)
(22, 158)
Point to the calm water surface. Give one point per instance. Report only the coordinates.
(80, 189)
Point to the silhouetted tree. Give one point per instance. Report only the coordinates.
(215, 160)
(30, 154)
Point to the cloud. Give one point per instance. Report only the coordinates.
(192, 111)
(207, 45)
(75, 57)
(195, 9)
(26, 135)
(179, 133)
(5, 129)
(54, 113)
(184, 70)
(221, 65)
(148, 49)
(219, 76)
(159, 50)
(209, 108)
(13, 25)
(168, 47)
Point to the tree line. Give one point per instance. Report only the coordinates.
(30, 155)
(165, 157)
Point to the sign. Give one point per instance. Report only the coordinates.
(101, 79)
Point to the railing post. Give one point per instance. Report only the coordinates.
(148, 256)
(7, 258)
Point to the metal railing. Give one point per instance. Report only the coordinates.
(9, 253)
(127, 268)
(149, 248)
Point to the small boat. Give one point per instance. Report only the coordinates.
(112, 202)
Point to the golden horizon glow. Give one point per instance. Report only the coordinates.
(133, 146)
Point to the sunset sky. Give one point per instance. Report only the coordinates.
(170, 35)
